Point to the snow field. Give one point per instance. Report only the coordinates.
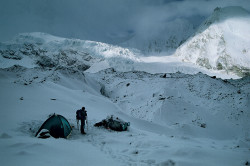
(149, 141)
(178, 116)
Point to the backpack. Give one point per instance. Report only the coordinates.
(78, 115)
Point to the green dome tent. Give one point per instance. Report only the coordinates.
(57, 125)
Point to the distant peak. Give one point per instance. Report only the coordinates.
(221, 14)
(230, 11)
(221, 42)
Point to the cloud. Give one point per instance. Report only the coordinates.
(111, 21)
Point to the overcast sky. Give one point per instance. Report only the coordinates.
(102, 20)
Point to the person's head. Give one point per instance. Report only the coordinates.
(83, 108)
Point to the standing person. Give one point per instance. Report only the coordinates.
(82, 115)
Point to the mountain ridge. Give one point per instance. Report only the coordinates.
(221, 42)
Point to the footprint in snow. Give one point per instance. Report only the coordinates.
(5, 136)
(23, 153)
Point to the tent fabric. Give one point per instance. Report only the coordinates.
(57, 125)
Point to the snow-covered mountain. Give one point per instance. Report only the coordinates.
(40, 49)
(43, 50)
(222, 42)
(176, 118)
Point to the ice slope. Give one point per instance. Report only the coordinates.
(222, 42)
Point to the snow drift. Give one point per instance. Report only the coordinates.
(222, 42)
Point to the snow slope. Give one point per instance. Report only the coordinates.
(33, 48)
(26, 107)
(180, 100)
(222, 42)
(43, 50)
(176, 119)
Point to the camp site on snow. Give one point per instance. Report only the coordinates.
(58, 126)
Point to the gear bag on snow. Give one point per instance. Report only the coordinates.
(113, 123)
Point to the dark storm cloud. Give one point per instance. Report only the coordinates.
(103, 20)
